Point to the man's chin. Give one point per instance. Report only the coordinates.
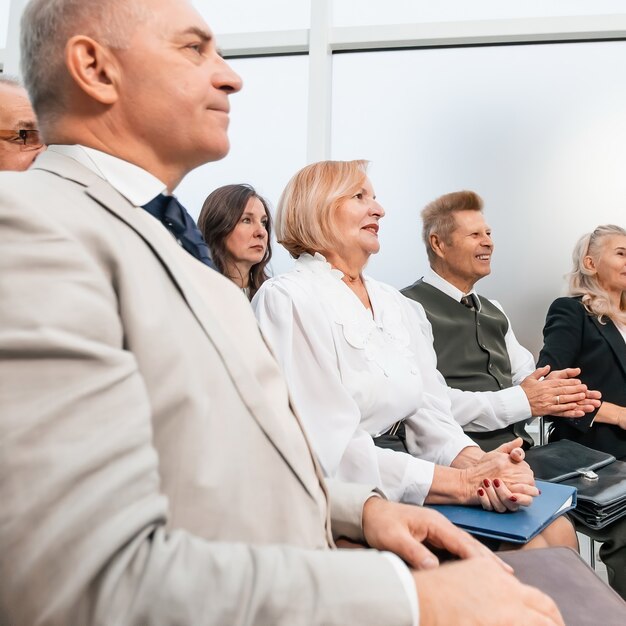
(212, 153)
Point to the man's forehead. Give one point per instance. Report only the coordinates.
(467, 220)
(14, 103)
(179, 17)
(12, 93)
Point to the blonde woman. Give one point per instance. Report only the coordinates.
(361, 374)
(588, 330)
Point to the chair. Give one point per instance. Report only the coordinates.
(543, 438)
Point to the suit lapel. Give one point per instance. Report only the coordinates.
(614, 339)
(250, 391)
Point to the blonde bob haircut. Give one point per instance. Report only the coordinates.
(306, 209)
(584, 282)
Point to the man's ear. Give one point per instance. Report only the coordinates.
(93, 68)
(437, 245)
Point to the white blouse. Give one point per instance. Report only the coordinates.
(353, 375)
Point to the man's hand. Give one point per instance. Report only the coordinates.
(479, 593)
(558, 393)
(590, 402)
(403, 528)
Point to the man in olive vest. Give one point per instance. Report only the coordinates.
(493, 384)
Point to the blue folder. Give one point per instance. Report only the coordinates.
(520, 526)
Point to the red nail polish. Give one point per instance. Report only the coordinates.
(539, 491)
(513, 499)
(486, 482)
(481, 493)
(496, 482)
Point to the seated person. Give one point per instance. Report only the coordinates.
(140, 405)
(492, 383)
(236, 224)
(20, 141)
(357, 365)
(587, 329)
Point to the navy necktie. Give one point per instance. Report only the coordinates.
(175, 218)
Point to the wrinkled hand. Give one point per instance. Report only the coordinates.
(501, 480)
(478, 593)
(556, 394)
(590, 402)
(402, 529)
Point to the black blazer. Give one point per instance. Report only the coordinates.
(574, 338)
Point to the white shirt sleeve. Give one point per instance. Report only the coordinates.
(481, 411)
(408, 583)
(300, 336)
(406, 579)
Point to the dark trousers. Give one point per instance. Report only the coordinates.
(393, 439)
(612, 551)
(493, 439)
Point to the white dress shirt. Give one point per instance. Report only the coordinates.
(139, 187)
(481, 411)
(353, 374)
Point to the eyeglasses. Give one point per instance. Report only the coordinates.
(25, 138)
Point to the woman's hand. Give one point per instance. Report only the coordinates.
(610, 413)
(501, 480)
(494, 495)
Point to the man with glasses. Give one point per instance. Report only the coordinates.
(20, 141)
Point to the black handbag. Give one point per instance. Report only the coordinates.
(599, 479)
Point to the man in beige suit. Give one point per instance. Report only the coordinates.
(151, 469)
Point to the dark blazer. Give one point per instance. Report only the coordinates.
(574, 338)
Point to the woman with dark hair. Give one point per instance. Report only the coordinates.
(236, 224)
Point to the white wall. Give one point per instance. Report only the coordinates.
(538, 130)
(366, 12)
(238, 16)
(4, 22)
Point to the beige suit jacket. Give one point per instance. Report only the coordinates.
(151, 469)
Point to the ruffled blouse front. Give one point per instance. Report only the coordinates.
(352, 373)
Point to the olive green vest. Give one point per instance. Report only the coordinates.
(470, 346)
(471, 351)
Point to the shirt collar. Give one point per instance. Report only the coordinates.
(432, 278)
(136, 184)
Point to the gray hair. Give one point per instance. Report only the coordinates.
(438, 216)
(46, 27)
(583, 282)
